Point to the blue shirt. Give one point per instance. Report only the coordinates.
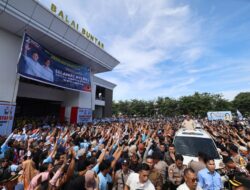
(103, 181)
(48, 160)
(5, 146)
(47, 74)
(33, 67)
(96, 168)
(84, 145)
(208, 180)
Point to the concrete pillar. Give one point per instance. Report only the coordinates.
(75, 99)
(10, 46)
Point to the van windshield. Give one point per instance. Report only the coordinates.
(190, 146)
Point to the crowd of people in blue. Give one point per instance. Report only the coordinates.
(122, 154)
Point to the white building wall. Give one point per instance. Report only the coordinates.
(9, 52)
(76, 99)
(85, 99)
(40, 92)
(100, 102)
(71, 98)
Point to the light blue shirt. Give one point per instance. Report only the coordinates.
(5, 146)
(208, 180)
(17, 137)
(33, 67)
(14, 167)
(96, 168)
(103, 181)
(47, 74)
(34, 136)
(84, 145)
(47, 160)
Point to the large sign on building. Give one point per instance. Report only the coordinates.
(7, 112)
(75, 25)
(39, 64)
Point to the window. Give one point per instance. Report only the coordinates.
(190, 146)
(100, 93)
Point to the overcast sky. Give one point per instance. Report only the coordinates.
(170, 47)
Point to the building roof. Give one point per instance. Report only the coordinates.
(53, 33)
(103, 83)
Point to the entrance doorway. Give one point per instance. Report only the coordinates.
(30, 107)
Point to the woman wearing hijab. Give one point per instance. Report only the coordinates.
(29, 172)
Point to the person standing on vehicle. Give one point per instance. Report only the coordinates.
(188, 123)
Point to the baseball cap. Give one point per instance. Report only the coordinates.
(125, 161)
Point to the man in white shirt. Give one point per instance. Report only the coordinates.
(47, 72)
(191, 180)
(140, 181)
(188, 123)
(33, 67)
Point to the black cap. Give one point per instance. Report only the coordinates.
(125, 161)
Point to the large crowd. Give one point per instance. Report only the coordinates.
(128, 154)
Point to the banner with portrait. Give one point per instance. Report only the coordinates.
(84, 115)
(219, 115)
(37, 63)
(7, 112)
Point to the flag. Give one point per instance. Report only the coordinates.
(240, 117)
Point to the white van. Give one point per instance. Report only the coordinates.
(189, 142)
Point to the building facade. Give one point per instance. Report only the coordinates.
(60, 38)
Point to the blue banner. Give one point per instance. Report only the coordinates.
(7, 112)
(84, 115)
(219, 115)
(39, 64)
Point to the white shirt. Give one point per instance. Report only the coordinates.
(33, 67)
(47, 74)
(134, 183)
(188, 124)
(185, 187)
